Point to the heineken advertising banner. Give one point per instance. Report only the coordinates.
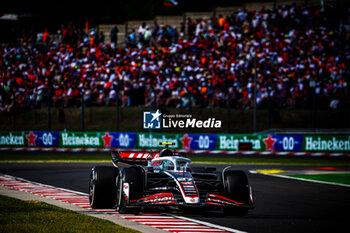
(98, 139)
(43, 138)
(152, 140)
(330, 143)
(29, 139)
(231, 141)
(181, 141)
(119, 140)
(13, 139)
(200, 141)
(81, 139)
(288, 142)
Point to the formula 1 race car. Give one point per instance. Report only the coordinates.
(165, 179)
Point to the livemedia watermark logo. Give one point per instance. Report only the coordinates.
(151, 120)
(157, 120)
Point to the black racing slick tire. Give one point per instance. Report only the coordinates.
(103, 187)
(134, 178)
(236, 188)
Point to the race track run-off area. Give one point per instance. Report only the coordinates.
(169, 223)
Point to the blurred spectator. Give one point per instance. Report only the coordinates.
(101, 39)
(114, 36)
(46, 36)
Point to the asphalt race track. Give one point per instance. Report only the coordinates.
(282, 205)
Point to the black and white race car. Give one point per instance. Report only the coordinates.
(166, 179)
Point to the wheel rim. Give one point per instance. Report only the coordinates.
(91, 189)
(119, 193)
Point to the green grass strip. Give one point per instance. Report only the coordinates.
(339, 178)
(34, 216)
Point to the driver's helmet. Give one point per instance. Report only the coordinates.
(168, 165)
(166, 152)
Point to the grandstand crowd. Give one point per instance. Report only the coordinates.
(293, 54)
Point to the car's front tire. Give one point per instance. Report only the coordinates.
(134, 178)
(102, 187)
(236, 188)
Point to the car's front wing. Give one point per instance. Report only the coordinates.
(169, 199)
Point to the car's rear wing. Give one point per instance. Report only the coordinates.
(140, 158)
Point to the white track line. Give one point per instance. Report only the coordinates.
(48, 186)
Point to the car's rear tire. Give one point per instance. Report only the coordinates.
(236, 188)
(134, 177)
(102, 187)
